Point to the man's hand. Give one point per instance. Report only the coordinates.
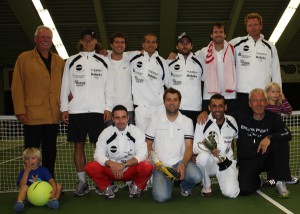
(202, 117)
(263, 145)
(215, 152)
(172, 56)
(117, 169)
(181, 170)
(65, 117)
(22, 118)
(106, 116)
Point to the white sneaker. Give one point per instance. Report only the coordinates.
(206, 192)
(281, 190)
(81, 189)
(134, 191)
(109, 192)
(294, 180)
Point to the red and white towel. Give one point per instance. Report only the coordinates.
(211, 69)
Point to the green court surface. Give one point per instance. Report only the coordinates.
(93, 203)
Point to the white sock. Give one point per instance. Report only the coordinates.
(81, 176)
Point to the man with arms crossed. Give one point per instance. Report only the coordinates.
(120, 154)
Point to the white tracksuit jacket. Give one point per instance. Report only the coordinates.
(186, 76)
(87, 79)
(257, 63)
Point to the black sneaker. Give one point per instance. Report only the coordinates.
(269, 183)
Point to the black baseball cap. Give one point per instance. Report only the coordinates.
(183, 35)
(88, 32)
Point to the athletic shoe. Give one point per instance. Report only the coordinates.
(186, 193)
(19, 207)
(206, 192)
(269, 183)
(134, 191)
(53, 204)
(81, 189)
(281, 190)
(109, 192)
(294, 180)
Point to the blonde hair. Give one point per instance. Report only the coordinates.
(271, 85)
(32, 152)
(253, 16)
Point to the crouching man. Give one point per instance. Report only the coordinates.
(120, 155)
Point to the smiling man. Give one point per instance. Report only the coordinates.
(226, 131)
(262, 146)
(169, 136)
(120, 70)
(150, 75)
(256, 60)
(219, 69)
(86, 100)
(35, 89)
(120, 155)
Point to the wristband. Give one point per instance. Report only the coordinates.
(124, 162)
(184, 163)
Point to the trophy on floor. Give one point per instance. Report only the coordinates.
(209, 144)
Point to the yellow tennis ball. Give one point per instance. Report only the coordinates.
(39, 193)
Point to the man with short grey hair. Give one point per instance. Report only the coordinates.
(35, 90)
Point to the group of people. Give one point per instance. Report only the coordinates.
(104, 96)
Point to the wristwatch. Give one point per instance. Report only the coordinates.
(124, 162)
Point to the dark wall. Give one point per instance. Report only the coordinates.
(292, 93)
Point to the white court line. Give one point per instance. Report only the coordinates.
(274, 202)
(22, 156)
(11, 160)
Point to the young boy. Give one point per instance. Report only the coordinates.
(33, 172)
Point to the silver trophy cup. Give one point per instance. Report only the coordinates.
(209, 144)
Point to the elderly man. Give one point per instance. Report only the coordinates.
(262, 145)
(35, 89)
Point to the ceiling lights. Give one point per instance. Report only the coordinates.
(284, 20)
(47, 21)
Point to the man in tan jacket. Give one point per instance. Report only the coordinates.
(36, 88)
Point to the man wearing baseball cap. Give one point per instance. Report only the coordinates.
(87, 95)
(186, 76)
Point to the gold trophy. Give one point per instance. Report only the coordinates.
(209, 144)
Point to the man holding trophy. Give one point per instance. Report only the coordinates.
(213, 144)
(169, 138)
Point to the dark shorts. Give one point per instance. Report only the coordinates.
(81, 125)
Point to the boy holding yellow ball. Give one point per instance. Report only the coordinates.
(33, 172)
